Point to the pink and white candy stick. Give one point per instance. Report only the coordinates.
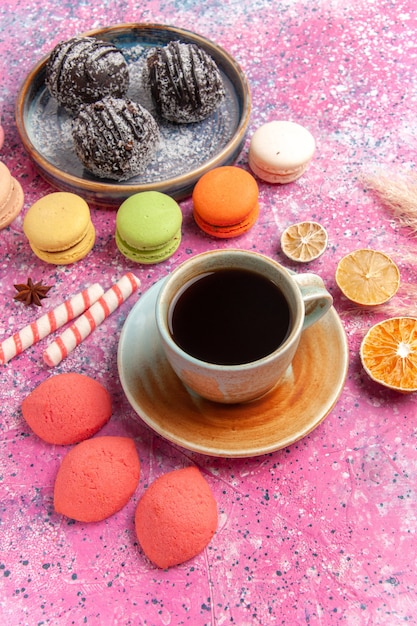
(48, 323)
(92, 318)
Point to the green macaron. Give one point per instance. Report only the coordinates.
(148, 227)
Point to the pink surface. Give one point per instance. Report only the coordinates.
(322, 532)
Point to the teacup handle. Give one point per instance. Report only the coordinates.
(317, 300)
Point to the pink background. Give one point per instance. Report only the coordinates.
(322, 532)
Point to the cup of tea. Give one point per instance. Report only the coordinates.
(230, 322)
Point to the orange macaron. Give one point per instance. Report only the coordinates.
(226, 201)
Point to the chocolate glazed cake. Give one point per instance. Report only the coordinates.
(115, 138)
(185, 82)
(85, 69)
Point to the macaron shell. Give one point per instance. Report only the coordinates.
(232, 230)
(226, 201)
(225, 195)
(73, 253)
(148, 219)
(276, 177)
(151, 256)
(280, 151)
(57, 221)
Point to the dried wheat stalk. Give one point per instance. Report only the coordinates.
(398, 192)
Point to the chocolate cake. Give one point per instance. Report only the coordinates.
(85, 69)
(115, 138)
(185, 82)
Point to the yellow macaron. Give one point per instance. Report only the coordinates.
(59, 228)
(226, 202)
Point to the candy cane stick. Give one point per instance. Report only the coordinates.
(93, 317)
(48, 323)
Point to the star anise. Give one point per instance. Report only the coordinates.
(31, 293)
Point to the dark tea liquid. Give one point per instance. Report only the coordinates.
(230, 317)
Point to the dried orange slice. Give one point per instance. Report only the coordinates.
(304, 242)
(368, 277)
(389, 353)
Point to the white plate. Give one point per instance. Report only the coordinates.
(283, 416)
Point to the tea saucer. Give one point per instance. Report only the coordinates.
(283, 416)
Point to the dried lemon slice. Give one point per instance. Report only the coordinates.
(389, 353)
(368, 277)
(304, 242)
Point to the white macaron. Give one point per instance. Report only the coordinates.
(280, 151)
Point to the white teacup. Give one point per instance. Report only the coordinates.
(227, 375)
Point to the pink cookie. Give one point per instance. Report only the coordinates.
(97, 478)
(67, 408)
(176, 517)
(1, 137)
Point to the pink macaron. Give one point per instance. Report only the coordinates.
(11, 197)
